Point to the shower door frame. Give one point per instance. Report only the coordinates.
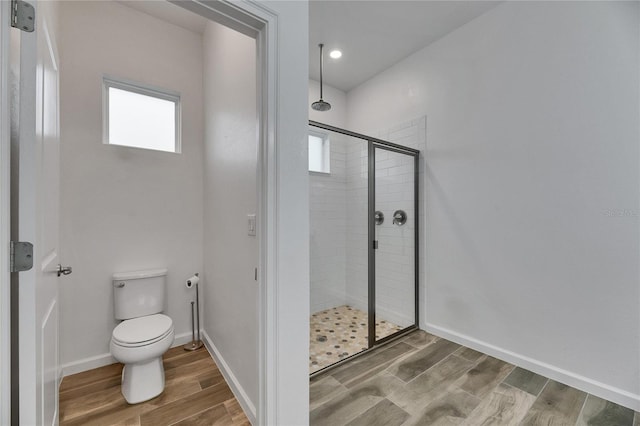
(373, 144)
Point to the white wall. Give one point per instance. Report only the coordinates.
(231, 150)
(337, 115)
(532, 196)
(124, 208)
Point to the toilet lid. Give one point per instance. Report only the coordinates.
(142, 329)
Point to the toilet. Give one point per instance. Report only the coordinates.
(144, 335)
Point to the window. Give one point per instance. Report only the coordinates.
(319, 148)
(139, 116)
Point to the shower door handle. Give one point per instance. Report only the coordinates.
(63, 270)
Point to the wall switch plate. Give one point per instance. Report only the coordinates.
(251, 224)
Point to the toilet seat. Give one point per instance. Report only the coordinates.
(142, 331)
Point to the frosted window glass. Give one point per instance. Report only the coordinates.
(141, 121)
(319, 153)
(316, 154)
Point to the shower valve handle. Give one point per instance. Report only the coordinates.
(399, 217)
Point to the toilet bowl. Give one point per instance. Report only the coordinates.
(139, 344)
(145, 334)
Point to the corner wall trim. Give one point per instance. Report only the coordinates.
(599, 389)
(238, 391)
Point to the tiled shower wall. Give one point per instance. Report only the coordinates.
(357, 225)
(328, 226)
(395, 261)
(339, 240)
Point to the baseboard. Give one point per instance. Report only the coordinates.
(86, 364)
(237, 389)
(101, 360)
(577, 381)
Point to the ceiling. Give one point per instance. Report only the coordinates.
(169, 12)
(374, 35)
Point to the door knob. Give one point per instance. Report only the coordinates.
(64, 270)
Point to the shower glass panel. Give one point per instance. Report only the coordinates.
(394, 241)
(363, 232)
(338, 200)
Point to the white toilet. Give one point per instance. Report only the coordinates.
(145, 334)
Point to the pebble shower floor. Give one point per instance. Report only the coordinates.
(338, 333)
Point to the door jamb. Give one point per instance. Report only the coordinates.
(5, 219)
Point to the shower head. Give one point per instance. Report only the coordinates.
(321, 105)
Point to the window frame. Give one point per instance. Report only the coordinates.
(146, 90)
(326, 151)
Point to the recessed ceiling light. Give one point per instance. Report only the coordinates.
(335, 54)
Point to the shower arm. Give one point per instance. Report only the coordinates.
(321, 67)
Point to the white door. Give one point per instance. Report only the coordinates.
(38, 215)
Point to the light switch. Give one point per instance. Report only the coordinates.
(251, 224)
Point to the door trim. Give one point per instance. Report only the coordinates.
(5, 219)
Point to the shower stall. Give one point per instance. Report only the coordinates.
(364, 243)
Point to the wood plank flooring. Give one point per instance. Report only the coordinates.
(424, 380)
(195, 394)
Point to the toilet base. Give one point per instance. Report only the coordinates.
(142, 381)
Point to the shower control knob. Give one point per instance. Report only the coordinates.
(399, 217)
(378, 217)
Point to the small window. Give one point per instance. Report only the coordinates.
(139, 116)
(319, 149)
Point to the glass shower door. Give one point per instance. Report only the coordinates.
(395, 236)
(338, 178)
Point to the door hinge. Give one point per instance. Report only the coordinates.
(20, 256)
(23, 15)
(375, 244)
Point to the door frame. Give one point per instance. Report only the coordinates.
(391, 147)
(5, 219)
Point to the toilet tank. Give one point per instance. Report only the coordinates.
(139, 293)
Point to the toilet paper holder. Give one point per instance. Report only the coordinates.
(195, 343)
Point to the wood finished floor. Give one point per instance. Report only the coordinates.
(424, 380)
(195, 394)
